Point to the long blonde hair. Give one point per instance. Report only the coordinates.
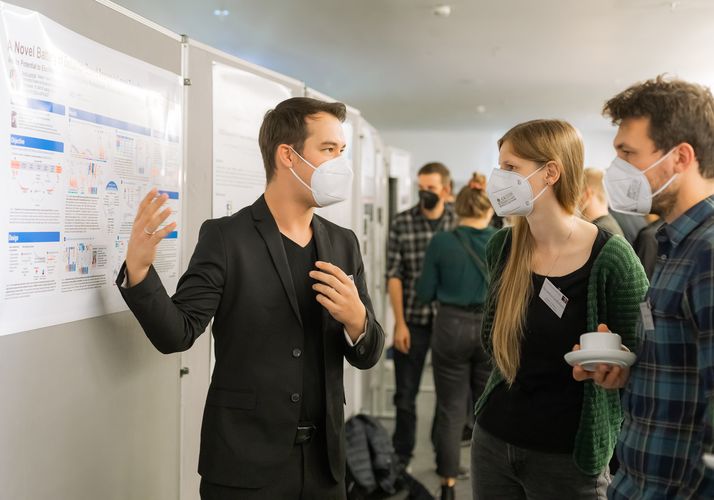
(540, 141)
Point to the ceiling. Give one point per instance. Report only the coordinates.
(491, 64)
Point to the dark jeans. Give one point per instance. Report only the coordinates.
(502, 471)
(407, 371)
(461, 368)
(305, 476)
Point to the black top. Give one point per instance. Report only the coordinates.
(541, 410)
(434, 223)
(302, 261)
(646, 247)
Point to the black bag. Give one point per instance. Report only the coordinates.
(373, 468)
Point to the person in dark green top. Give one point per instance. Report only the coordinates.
(553, 276)
(454, 274)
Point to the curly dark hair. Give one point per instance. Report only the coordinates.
(678, 111)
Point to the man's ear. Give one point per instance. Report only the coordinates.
(283, 156)
(684, 158)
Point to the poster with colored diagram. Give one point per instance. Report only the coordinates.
(87, 131)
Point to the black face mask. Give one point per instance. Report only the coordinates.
(428, 200)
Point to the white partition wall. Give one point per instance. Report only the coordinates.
(374, 227)
(399, 162)
(399, 197)
(241, 97)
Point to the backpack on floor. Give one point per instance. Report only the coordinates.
(373, 470)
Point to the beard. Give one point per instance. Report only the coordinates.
(664, 203)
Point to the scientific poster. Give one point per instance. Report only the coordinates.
(240, 101)
(88, 131)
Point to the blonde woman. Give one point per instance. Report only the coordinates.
(540, 434)
(455, 275)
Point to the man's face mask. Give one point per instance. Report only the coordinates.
(628, 190)
(428, 200)
(332, 181)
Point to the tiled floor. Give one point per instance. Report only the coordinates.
(423, 464)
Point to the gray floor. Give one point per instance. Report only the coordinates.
(423, 464)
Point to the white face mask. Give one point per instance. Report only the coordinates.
(628, 190)
(510, 193)
(331, 183)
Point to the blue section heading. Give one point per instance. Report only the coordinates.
(35, 143)
(172, 236)
(33, 237)
(173, 195)
(108, 122)
(51, 107)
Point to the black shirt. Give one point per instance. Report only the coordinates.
(541, 410)
(302, 261)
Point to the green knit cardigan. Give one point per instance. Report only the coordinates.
(616, 287)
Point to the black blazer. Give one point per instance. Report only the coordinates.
(239, 274)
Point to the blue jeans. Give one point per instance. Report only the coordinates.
(408, 369)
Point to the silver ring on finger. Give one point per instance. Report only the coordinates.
(150, 233)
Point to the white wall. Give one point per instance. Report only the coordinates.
(463, 151)
(598, 147)
(466, 151)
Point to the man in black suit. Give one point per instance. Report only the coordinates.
(288, 294)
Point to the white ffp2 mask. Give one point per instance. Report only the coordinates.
(331, 183)
(510, 193)
(628, 190)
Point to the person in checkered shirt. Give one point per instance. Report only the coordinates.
(409, 235)
(665, 146)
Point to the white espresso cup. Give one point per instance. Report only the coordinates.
(600, 341)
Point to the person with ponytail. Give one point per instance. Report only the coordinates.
(454, 274)
(539, 432)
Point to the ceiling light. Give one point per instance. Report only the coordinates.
(220, 12)
(442, 10)
(480, 108)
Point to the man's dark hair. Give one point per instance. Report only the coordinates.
(679, 112)
(437, 168)
(286, 124)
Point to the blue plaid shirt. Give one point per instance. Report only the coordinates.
(668, 399)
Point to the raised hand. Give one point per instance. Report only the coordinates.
(145, 236)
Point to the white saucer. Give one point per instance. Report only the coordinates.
(590, 358)
(709, 460)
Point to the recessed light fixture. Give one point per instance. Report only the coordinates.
(442, 10)
(480, 109)
(221, 13)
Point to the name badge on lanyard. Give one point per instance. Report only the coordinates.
(553, 297)
(646, 315)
